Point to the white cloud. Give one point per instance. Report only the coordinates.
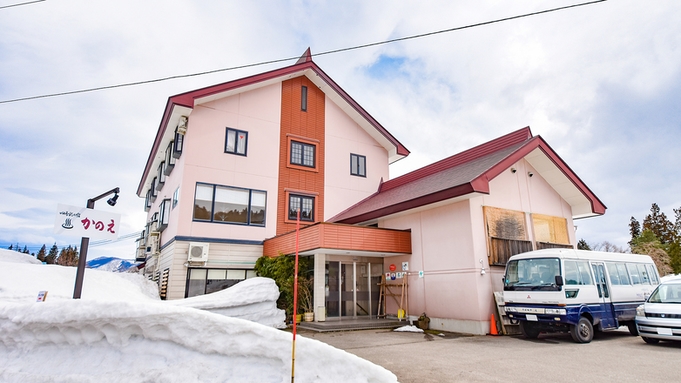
(597, 82)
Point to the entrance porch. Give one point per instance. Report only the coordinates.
(348, 265)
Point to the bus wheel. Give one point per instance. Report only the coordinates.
(529, 330)
(650, 340)
(632, 328)
(583, 331)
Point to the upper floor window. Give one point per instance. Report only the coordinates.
(216, 203)
(302, 154)
(236, 141)
(161, 175)
(358, 165)
(164, 214)
(170, 159)
(302, 202)
(303, 99)
(178, 143)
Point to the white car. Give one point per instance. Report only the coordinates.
(659, 318)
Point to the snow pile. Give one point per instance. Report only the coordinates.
(408, 328)
(21, 282)
(11, 256)
(254, 299)
(117, 332)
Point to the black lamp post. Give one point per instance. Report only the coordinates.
(85, 241)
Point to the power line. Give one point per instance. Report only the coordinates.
(294, 58)
(18, 4)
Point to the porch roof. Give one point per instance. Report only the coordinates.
(333, 238)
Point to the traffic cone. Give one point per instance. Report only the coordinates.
(493, 326)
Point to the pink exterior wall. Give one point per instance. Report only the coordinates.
(204, 159)
(344, 136)
(448, 242)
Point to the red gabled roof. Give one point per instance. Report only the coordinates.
(461, 174)
(305, 62)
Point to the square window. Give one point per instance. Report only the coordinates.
(305, 204)
(358, 165)
(302, 154)
(236, 141)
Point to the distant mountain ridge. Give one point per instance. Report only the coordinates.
(113, 264)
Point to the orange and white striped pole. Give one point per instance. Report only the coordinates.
(295, 300)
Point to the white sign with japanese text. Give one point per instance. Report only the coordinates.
(84, 222)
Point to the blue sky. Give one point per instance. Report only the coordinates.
(600, 83)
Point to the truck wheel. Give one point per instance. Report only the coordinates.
(583, 331)
(632, 328)
(650, 340)
(529, 330)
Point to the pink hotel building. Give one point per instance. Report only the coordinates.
(232, 163)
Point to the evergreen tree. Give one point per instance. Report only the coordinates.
(634, 229)
(52, 255)
(658, 223)
(42, 253)
(10, 247)
(25, 250)
(582, 245)
(648, 243)
(68, 257)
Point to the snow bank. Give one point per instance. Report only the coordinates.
(408, 328)
(120, 331)
(96, 341)
(21, 282)
(11, 256)
(254, 299)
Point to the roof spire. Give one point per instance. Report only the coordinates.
(307, 56)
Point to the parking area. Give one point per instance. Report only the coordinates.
(417, 357)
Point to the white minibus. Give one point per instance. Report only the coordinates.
(576, 291)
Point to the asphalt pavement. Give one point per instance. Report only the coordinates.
(613, 356)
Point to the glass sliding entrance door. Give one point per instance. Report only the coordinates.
(352, 288)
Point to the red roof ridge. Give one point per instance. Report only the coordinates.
(307, 56)
(513, 138)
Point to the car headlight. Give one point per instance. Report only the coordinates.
(641, 311)
(555, 311)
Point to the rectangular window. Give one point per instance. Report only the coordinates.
(577, 273)
(225, 204)
(206, 281)
(236, 141)
(147, 201)
(161, 175)
(176, 197)
(164, 214)
(358, 165)
(633, 272)
(304, 203)
(203, 202)
(154, 189)
(303, 99)
(231, 205)
(170, 159)
(302, 154)
(179, 144)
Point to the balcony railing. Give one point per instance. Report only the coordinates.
(549, 245)
(502, 249)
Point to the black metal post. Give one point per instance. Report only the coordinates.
(84, 243)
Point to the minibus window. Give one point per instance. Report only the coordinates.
(622, 270)
(652, 274)
(633, 272)
(614, 275)
(643, 273)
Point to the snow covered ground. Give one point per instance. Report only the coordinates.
(121, 332)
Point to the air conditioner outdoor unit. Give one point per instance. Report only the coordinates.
(198, 252)
(152, 244)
